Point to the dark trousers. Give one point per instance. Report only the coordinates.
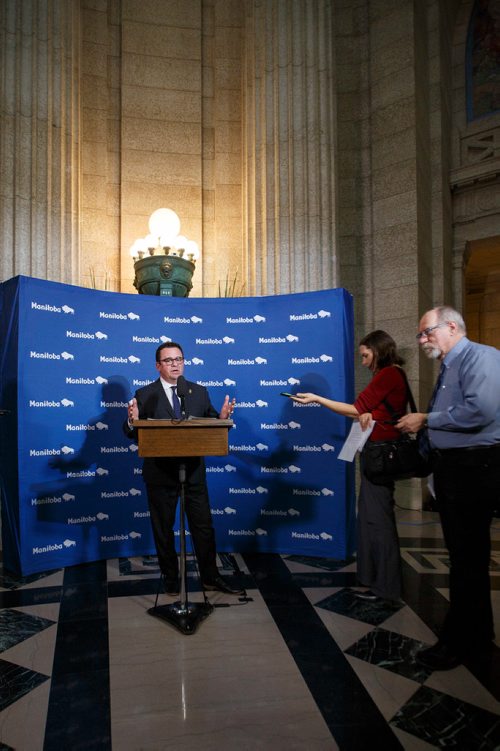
(378, 556)
(467, 483)
(162, 507)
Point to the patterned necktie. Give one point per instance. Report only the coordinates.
(176, 403)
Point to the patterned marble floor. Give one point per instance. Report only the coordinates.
(299, 663)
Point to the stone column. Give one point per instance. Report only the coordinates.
(289, 146)
(39, 147)
(161, 145)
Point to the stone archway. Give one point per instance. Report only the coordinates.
(482, 290)
(475, 189)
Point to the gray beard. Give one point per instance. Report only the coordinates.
(431, 351)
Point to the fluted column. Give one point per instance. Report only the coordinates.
(39, 147)
(290, 142)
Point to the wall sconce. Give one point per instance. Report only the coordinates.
(164, 260)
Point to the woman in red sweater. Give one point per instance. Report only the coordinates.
(378, 556)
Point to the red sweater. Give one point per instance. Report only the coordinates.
(389, 384)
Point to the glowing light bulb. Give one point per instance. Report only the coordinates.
(180, 242)
(164, 223)
(152, 240)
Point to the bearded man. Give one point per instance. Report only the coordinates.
(463, 430)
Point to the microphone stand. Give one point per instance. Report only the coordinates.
(184, 615)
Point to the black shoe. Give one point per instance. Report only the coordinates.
(171, 586)
(220, 585)
(367, 594)
(439, 657)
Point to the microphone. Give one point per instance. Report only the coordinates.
(182, 390)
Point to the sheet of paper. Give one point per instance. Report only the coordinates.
(354, 441)
(430, 485)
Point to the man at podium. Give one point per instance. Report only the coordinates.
(160, 400)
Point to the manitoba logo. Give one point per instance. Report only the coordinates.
(310, 316)
(312, 359)
(323, 447)
(54, 547)
(48, 308)
(52, 452)
(51, 355)
(247, 319)
(119, 538)
(246, 532)
(248, 361)
(180, 319)
(119, 316)
(278, 339)
(51, 499)
(248, 447)
(146, 340)
(312, 536)
(81, 519)
(226, 468)
(99, 426)
(85, 335)
(51, 403)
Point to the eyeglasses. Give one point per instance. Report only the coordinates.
(429, 330)
(172, 360)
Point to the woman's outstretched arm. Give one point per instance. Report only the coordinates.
(341, 408)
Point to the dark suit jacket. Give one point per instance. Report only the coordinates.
(153, 402)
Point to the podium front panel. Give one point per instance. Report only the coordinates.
(179, 440)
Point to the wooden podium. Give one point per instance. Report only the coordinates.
(196, 436)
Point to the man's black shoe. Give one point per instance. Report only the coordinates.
(439, 657)
(366, 594)
(221, 585)
(171, 586)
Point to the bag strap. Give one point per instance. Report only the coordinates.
(411, 400)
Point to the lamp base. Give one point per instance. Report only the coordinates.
(185, 617)
(169, 276)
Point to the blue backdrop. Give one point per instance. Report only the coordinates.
(71, 358)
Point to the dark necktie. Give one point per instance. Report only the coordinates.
(424, 445)
(176, 403)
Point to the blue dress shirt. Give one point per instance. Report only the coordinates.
(466, 409)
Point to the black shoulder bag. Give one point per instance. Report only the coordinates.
(399, 459)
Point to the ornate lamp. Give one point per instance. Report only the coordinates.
(164, 261)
